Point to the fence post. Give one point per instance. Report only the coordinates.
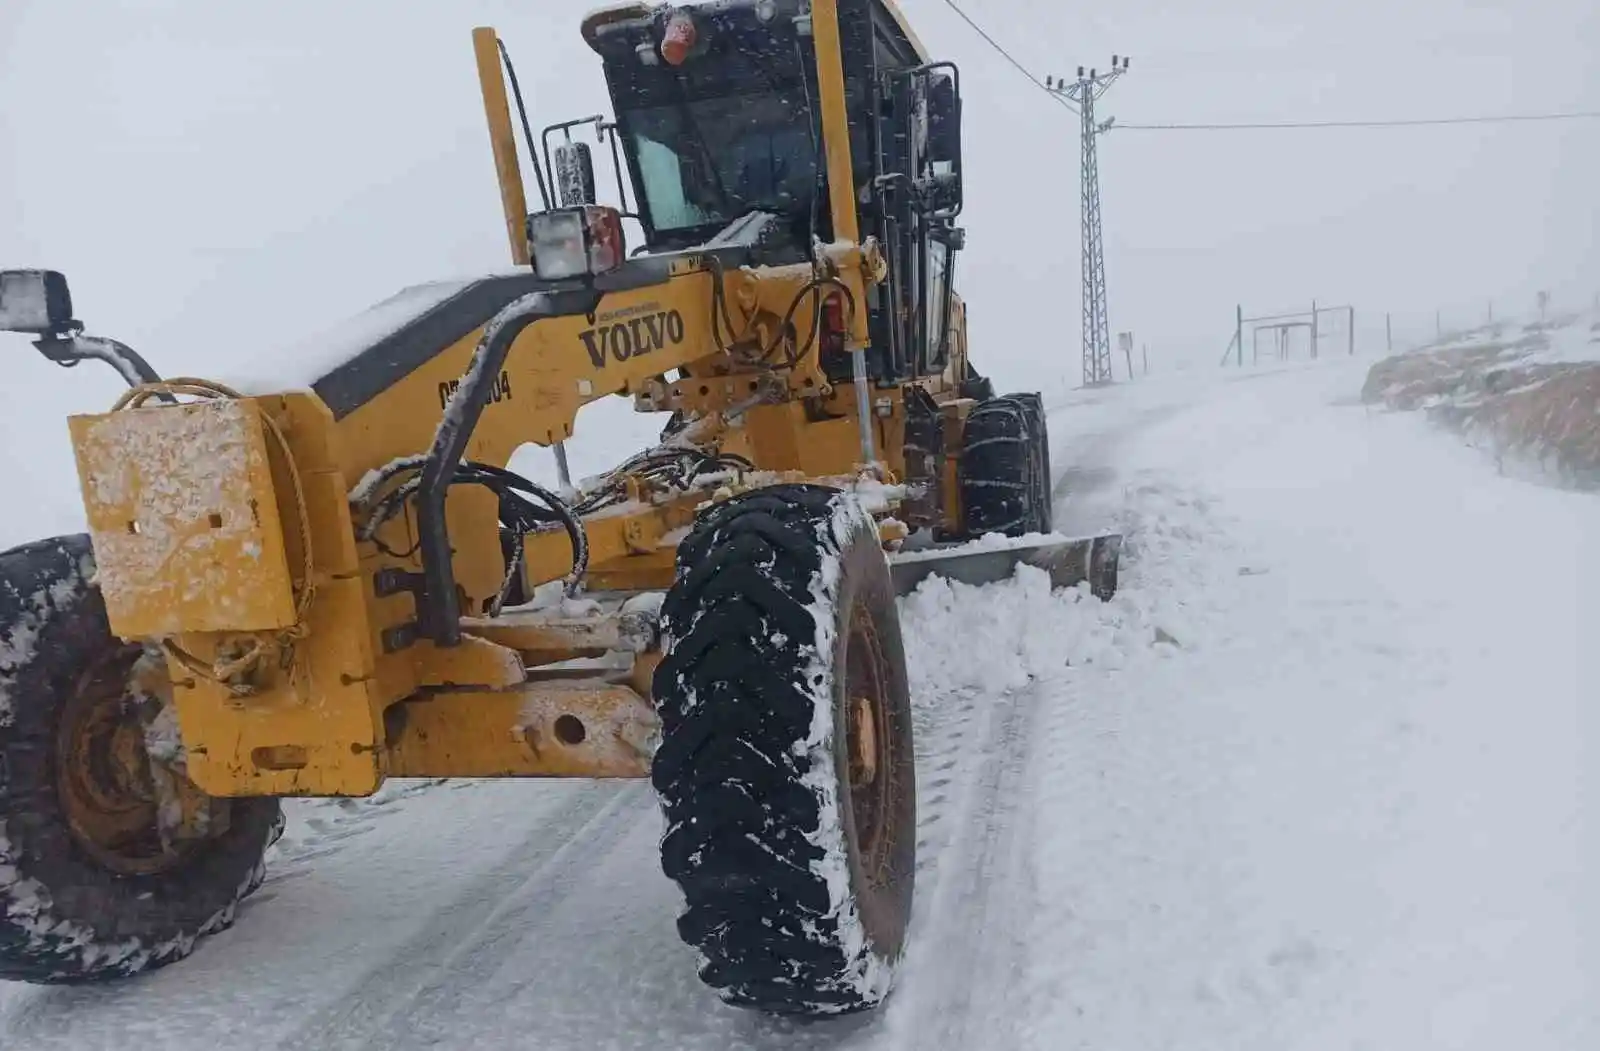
(1388, 332)
(1350, 331)
(1238, 331)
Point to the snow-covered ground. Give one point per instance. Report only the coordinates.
(1578, 341)
(1565, 338)
(1319, 776)
(1525, 391)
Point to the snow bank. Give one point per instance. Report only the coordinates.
(1529, 394)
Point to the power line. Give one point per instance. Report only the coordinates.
(1509, 118)
(1512, 118)
(992, 42)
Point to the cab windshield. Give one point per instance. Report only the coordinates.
(706, 162)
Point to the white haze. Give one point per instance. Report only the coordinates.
(219, 179)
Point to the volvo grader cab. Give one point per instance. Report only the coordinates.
(307, 589)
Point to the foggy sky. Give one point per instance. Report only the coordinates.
(218, 180)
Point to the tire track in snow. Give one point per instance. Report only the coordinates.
(962, 986)
(469, 937)
(959, 988)
(1085, 490)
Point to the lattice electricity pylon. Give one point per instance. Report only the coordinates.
(1083, 93)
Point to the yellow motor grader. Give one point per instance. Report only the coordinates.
(305, 591)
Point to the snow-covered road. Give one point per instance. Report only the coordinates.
(1319, 776)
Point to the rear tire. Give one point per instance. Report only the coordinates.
(1005, 468)
(1044, 478)
(786, 768)
(88, 888)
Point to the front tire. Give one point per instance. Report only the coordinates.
(111, 862)
(786, 765)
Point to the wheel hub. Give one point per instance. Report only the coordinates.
(134, 811)
(872, 785)
(866, 736)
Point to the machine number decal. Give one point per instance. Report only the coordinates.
(633, 338)
(501, 391)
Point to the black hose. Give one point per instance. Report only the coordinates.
(527, 130)
(814, 288)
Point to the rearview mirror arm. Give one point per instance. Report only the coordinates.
(70, 348)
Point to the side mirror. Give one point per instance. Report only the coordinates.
(944, 119)
(574, 174)
(35, 302)
(944, 141)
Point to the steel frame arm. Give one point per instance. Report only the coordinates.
(439, 615)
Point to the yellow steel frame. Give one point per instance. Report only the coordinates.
(350, 696)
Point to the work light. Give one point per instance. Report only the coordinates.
(575, 242)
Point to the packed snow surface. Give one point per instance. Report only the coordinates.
(1315, 778)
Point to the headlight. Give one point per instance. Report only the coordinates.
(575, 242)
(34, 301)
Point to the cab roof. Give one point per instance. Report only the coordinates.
(634, 11)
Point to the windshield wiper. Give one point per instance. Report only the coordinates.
(686, 112)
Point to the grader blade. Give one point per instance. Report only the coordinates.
(1068, 562)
